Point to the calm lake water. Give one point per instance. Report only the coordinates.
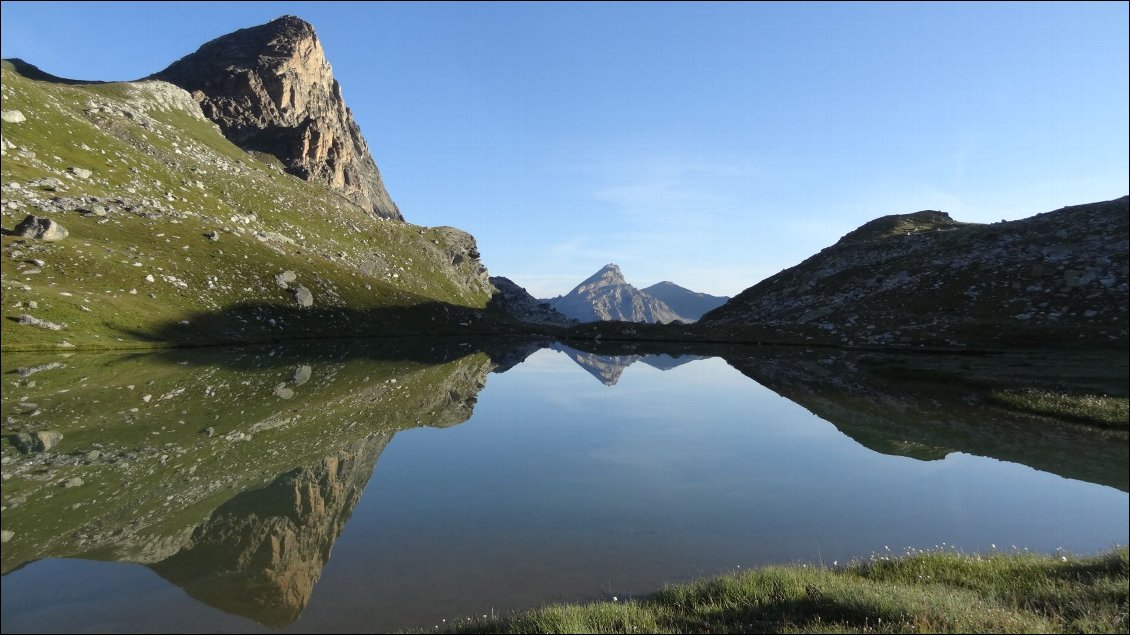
(320, 500)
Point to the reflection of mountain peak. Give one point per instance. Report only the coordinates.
(260, 553)
(606, 368)
(664, 361)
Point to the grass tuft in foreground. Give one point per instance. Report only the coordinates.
(931, 592)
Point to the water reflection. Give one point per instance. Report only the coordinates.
(232, 474)
(607, 369)
(260, 553)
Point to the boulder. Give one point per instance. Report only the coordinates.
(41, 228)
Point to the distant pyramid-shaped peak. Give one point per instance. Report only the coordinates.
(609, 274)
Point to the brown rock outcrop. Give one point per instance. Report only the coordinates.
(270, 89)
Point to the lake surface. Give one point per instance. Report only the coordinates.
(353, 490)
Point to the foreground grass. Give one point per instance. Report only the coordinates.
(932, 592)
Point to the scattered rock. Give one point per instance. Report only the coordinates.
(301, 375)
(43, 324)
(212, 235)
(12, 116)
(282, 392)
(73, 482)
(28, 442)
(814, 314)
(6, 536)
(40, 228)
(81, 173)
(210, 431)
(303, 296)
(285, 278)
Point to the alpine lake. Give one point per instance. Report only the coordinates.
(382, 486)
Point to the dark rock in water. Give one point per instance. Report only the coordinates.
(516, 302)
(607, 296)
(923, 278)
(40, 228)
(270, 89)
(689, 305)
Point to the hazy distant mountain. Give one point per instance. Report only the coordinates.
(691, 305)
(607, 296)
(663, 361)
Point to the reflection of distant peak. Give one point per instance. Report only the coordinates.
(606, 368)
(664, 361)
(260, 553)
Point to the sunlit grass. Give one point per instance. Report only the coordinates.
(922, 592)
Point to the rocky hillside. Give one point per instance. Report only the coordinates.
(606, 295)
(1058, 277)
(271, 90)
(131, 221)
(518, 303)
(691, 305)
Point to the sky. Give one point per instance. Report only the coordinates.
(711, 145)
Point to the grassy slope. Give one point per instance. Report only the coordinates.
(917, 593)
(95, 280)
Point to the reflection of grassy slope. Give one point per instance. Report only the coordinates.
(937, 592)
(928, 406)
(158, 475)
(346, 257)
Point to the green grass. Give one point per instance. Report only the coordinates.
(1101, 410)
(931, 592)
(95, 280)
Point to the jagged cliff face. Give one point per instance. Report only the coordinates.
(606, 295)
(1055, 277)
(270, 89)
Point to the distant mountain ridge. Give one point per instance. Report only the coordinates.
(691, 305)
(606, 296)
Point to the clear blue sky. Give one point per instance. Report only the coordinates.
(710, 145)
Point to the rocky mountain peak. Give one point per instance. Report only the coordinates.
(608, 275)
(271, 89)
(606, 295)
